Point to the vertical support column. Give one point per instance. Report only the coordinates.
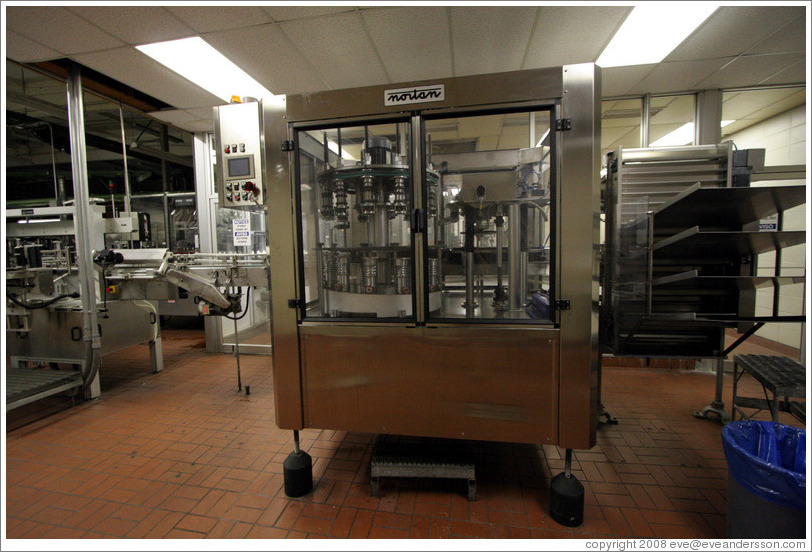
(283, 250)
(708, 117)
(577, 239)
(204, 189)
(645, 120)
(419, 164)
(81, 194)
(515, 295)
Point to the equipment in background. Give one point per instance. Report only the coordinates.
(239, 143)
(443, 275)
(683, 237)
(44, 315)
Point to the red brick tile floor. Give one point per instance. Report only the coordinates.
(184, 454)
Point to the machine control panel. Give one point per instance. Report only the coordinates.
(238, 137)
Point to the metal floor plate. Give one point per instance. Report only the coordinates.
(26, 385)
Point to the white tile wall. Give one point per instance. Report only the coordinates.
(784, 139)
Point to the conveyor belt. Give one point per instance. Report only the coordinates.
(24, 386)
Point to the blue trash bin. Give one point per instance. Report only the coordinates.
(766, 496)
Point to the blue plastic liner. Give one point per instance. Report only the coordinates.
(768, 459)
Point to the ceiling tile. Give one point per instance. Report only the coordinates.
(202, 125)
(750, 70)
(790, 38)
(678, 76)
(573, 34)
(338, 48)
(200, 112)
(20, 48)
(490, 39)
(135, 24)
(58, 29)
(135, 69)
(617, 81)
(732, 30)
(173, 116)
(206, 19)
(794, 74)
(286, 13)
(425, 37)
(280, 68)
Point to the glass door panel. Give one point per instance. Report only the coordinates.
(489, 202)
(355, 200)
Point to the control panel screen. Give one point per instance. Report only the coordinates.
(239, 166)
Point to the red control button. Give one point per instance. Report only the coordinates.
(248, 186)
(227, 149)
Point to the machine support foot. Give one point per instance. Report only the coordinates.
(567, 497)
(298, 471)
(603, 413)
(156, 354)
(715, 408)
(717, 405)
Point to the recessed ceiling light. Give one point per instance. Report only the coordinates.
(682, 136)
(652, 30)
(196, 60)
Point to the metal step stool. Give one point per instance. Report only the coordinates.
(430, 458)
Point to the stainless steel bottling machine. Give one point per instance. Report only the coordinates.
(434, 259)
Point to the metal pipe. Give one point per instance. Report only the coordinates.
(62, 195)
(532, 129)
(167, 235)
(127, 197)
(469, 284)
(500, 225)
(53, 166)
(568, 463)
(779, 226)
(381, 223)
(87, 282)
(326, 151)
(397, 139)
(514, 256)
(296, 441)
(237, 352)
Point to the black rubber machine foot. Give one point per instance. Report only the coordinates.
(298, 471)
(567, 500)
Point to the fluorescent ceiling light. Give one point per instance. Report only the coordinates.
(682, 136)
(652, 30)
(37, 221)
(195, 60)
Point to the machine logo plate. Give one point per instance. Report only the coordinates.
(416, 94)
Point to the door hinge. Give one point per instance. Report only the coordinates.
(294, 303)
(563, 124)
(287, 145)
(562, 304)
